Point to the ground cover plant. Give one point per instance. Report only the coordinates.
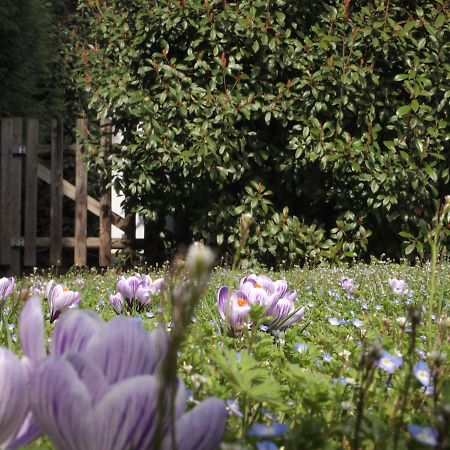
(365, 366)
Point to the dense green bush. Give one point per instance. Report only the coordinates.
(323, 119)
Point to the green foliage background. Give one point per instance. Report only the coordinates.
(326, 120)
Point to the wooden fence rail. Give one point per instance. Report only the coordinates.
(19, 197)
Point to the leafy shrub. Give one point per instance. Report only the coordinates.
(326, 120)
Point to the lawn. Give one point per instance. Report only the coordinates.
(365, 367)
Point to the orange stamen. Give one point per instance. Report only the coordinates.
(242, 302)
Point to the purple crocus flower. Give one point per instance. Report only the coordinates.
(60, 299)
(273, 296)
(6, 287)
(422, 373)
(398, 286)
(389, 363)
(137, 290)
(14, 401)
(117, 302)
(348, 284)
(234, 309)
(99, 389)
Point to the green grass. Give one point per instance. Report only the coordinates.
(274, 382)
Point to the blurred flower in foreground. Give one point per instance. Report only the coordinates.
(398, 286)
(424, 435)
(6, 287)
(13, 395)
(348, 284)
(60, 299)
(100, 388)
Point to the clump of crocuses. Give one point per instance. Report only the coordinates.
(134, 293)
(99, 389)
(60, 298)
(6, 287)
(278, 303)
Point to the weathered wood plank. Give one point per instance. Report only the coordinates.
(56, 193)
(5, 228)
(104, 257)
(31, 192)
(80, 252)
(14, 205)
(69, 190)
(92, 242)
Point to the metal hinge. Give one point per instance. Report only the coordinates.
(19, 150)
(17, 242)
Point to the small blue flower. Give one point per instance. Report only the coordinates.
(389, 363)
(301, 348)
(378, 307)
(264, 328)
(421, 353)
(357, 323)
(333, 321)
(327, 357)
(268, 431)
(266, 445)
(341, 380)
(233, 407)
(422, 373)
(238, 357)
(424, 435)
(149, 314)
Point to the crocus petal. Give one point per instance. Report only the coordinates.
(222, 298)
(280, 287)
(28, 432)
(116, 301)
(62, 406)
(89, 373)
(74, 330)
(14, 400)
(201, 428)
(282, 309)
(293, 319)
(124, 349)
(247, 288)
(157, 285)
(126, 416)
(48, 288)
(258, 296)
(6, 287)
(266, 283)
(31, 326)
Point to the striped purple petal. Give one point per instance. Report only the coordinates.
(201, 428)
(6, 287)
(222, 298)
(31, 326)
(126, 416)
(124, 349)
(62, 406)
(14, 400)
(74, 330)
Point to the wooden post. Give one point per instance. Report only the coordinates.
(80, 196)
(104, 258)
(31, 192)
(56, 193)
(11, 201)
(5, 233)
(129, 239)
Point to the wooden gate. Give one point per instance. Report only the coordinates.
(18, 203)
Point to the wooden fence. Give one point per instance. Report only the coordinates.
(20, 151)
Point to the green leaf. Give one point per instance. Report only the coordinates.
(405, 109)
